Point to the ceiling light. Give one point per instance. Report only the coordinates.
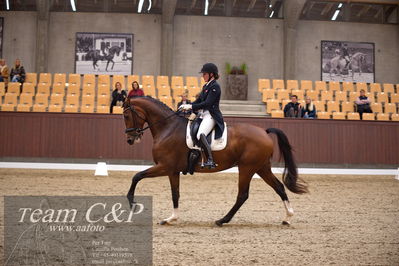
(140, 7)
(8, 4)
(206, 7)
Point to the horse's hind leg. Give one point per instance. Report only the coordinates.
(245, 177)
(174, 185)
(266, 174)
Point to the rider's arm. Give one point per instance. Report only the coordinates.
(211, 99)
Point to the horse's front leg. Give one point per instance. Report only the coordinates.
(154, 171)
(174, 185)
(106, 68)
(113, 63)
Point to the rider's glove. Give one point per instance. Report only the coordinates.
(185, 106)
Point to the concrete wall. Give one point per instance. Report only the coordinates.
(19, 38)
(385, 38)
(146, 30)
(256, 42)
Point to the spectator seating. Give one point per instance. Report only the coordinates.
(388, 88)
(277, 113)
(334, 86)
(74, 80)
(31, 78)
(59, 80)
(278, 84)
(41, 103)
(263, 84)
(353, 116)
(361, 86)
(130, 80)
(163, 86)
(89, 80)
(72, 104)
(148, 85)
(323, 115)
(25, 102)
(347, 86)
(56, 102)
(292, 85)
(2, 89)
(368, 116)
(339, 115)
(320, 86)
(306, 85)
(10, 101)
(177, 87)
(14, 88)
(120, 79)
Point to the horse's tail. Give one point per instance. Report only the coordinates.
(290, 174)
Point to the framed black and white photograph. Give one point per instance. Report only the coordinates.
(1, 36)
(104, 53)
(347, 61)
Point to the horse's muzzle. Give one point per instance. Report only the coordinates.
(130, 141)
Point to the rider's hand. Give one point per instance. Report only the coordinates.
(185, 106)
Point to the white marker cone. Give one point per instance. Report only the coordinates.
(101, 169)
(397, 175)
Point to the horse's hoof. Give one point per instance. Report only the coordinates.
(219, 223)
(163, 222)
(285, 223)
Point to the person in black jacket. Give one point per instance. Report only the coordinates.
(118, 96)
(207, 104)
(293, 109)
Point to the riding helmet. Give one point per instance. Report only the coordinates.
(209, 68)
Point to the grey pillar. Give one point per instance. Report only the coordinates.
(168, 12)
(292, 11)
(42, 35)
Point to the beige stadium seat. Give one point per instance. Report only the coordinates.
(87, 105)
(72, 104)
(263, 84)
(88, 91)
(74, 80)
(390, 108)
(395, 117)
(120, 79)
(43, 89)
(45, 78)
(326, 95)
(348, 86)
(267, 94)
(368, 116)
(89, 79)
(177, 87)
(340, 96)
(117, 110)
(282, 94)
(168, 100)
(334, 86)
(332, 106)
(192, 87)
(338, 115)
(383, 117)
(353, 95)
(102, 109)
(299, 93)
(58, 89)
(103, 90)
(278, 84)
(395, 98)
(388, 88)
(14, 88)
(277, 114)
(320, 106)
(104, 100)
(347, 107)
(292, 85)
(25, 102)
(376, 107)
(31, 78)
(73, 89)
(10, 101)
(2, 89)
(375, 87)
(41, 102)
(130, 80)
(285, 102)
(163, 86)
(382, 97)
(148, 85)
(59, 79)
(320, 85)
(312, 94)
(272, 104)
(323, 115)
(353, 116)
(104, 80)
(56, 103)
(306, 85)
(28, 88)
(361, 86)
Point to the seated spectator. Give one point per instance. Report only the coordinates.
(118, 96)
(184, 100)
(293, 109)
(3, 71)
(309, 110)
(17, 72)
(135, 91)
(363, 104)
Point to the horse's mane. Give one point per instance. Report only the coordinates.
(161, 105)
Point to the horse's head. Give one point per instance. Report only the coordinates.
(134, 121)
(115, 50)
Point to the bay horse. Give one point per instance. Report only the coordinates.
(248, 147)
(96, 56)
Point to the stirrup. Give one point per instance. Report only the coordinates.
(210, 164)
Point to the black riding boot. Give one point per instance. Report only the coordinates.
(205, 145)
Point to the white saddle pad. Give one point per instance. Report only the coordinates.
(216, 145)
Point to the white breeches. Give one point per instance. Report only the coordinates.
(207, 124)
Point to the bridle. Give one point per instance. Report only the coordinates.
(138, 132)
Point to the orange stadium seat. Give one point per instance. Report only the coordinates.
(277, 114)
(59, 79)
(192, 87)
(376, 107)
(103, 100)
(339, 115)
(382, 97)
(25, 102)
(348, 86)
(263, 84)
(272, 104)
(368, 116)
(395, 117)
(10, 101)
(163, 86)
(74, 80)
(326, 95)
(284, 102)
(14, 88)
(299, 93)
(56, 103)
(278, 84)
(104, 80)
(177, 87)
(282, 94)
(103, 90)
(2, 89)
(361, 86)
(375, 87)
(117, 110)
(87, 105)
(332, 106)
(89, 79)
(292, 85)
(388, 88)
(72, 104)
(320, 85)
(28, 88)
(31, 78)
(267, 94)
(202, 82)
(41, 102)
(340, 96)
(168, 100)
(347, 107)
(395, 98)
(58, 89)
(323, 115)
(102, 109)
(306, 85)
(120, 79)
(320, 106)
(73, 89)
(45, 78)
(88, 91)
(353, 116)
(353, 95)
(43, 88)
(148, 85)
(334, 86)
(130, 80)
(390, 108)
(313, 95)
(383, 117)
